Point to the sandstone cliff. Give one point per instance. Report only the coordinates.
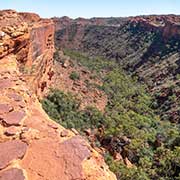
(73, 33)
(33, 146)
(168, 25)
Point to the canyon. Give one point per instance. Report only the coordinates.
(145, 46)
(137, 60)
(110, 89)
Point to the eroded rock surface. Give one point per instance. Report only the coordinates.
(12, 174)
(14, 118)
(32, 146)
(168, 24)
(11, 150)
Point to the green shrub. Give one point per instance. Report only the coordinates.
(74, 76)
(64, 109)
(178, 76)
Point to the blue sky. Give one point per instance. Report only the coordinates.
(93, 8)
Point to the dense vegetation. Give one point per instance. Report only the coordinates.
(141, 50)
(64, 109)
(145, 53)
(154, 146)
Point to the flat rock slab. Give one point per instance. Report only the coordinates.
(14, 118)
(11, 150)
(12, 174)
(48, 159)
(73, 152)
(5, 108)
(5, 83)
(15, 96)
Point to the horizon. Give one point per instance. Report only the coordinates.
(104, 9)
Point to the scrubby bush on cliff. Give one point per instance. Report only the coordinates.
(64, 109)
(74, 75)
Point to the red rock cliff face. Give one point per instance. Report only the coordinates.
(169, 25)
(32, 146)
(40, 55)
(73, 30)
(71, 33)
(32, 40)
(37, 65)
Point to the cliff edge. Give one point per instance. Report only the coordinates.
(32, 145)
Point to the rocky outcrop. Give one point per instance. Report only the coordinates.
(171, 29)
(169, 25)
(32, 40)
(30, 17)
(72, 33)
(33, 146)
(65, 21)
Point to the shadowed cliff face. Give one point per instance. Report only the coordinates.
(32, 146)
(68, 31)
(40, 56)
(145, 46)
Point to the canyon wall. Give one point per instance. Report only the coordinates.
(33, 146)
(168, 25)
(37, 67)
(31, 39)
(73, 33)
(146, 46)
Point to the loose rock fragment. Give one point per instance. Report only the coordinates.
(14, 118)
(5, 108)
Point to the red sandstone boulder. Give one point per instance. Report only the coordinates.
(14, 118)
(11, 150)
(12, 174)
(5, 108)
